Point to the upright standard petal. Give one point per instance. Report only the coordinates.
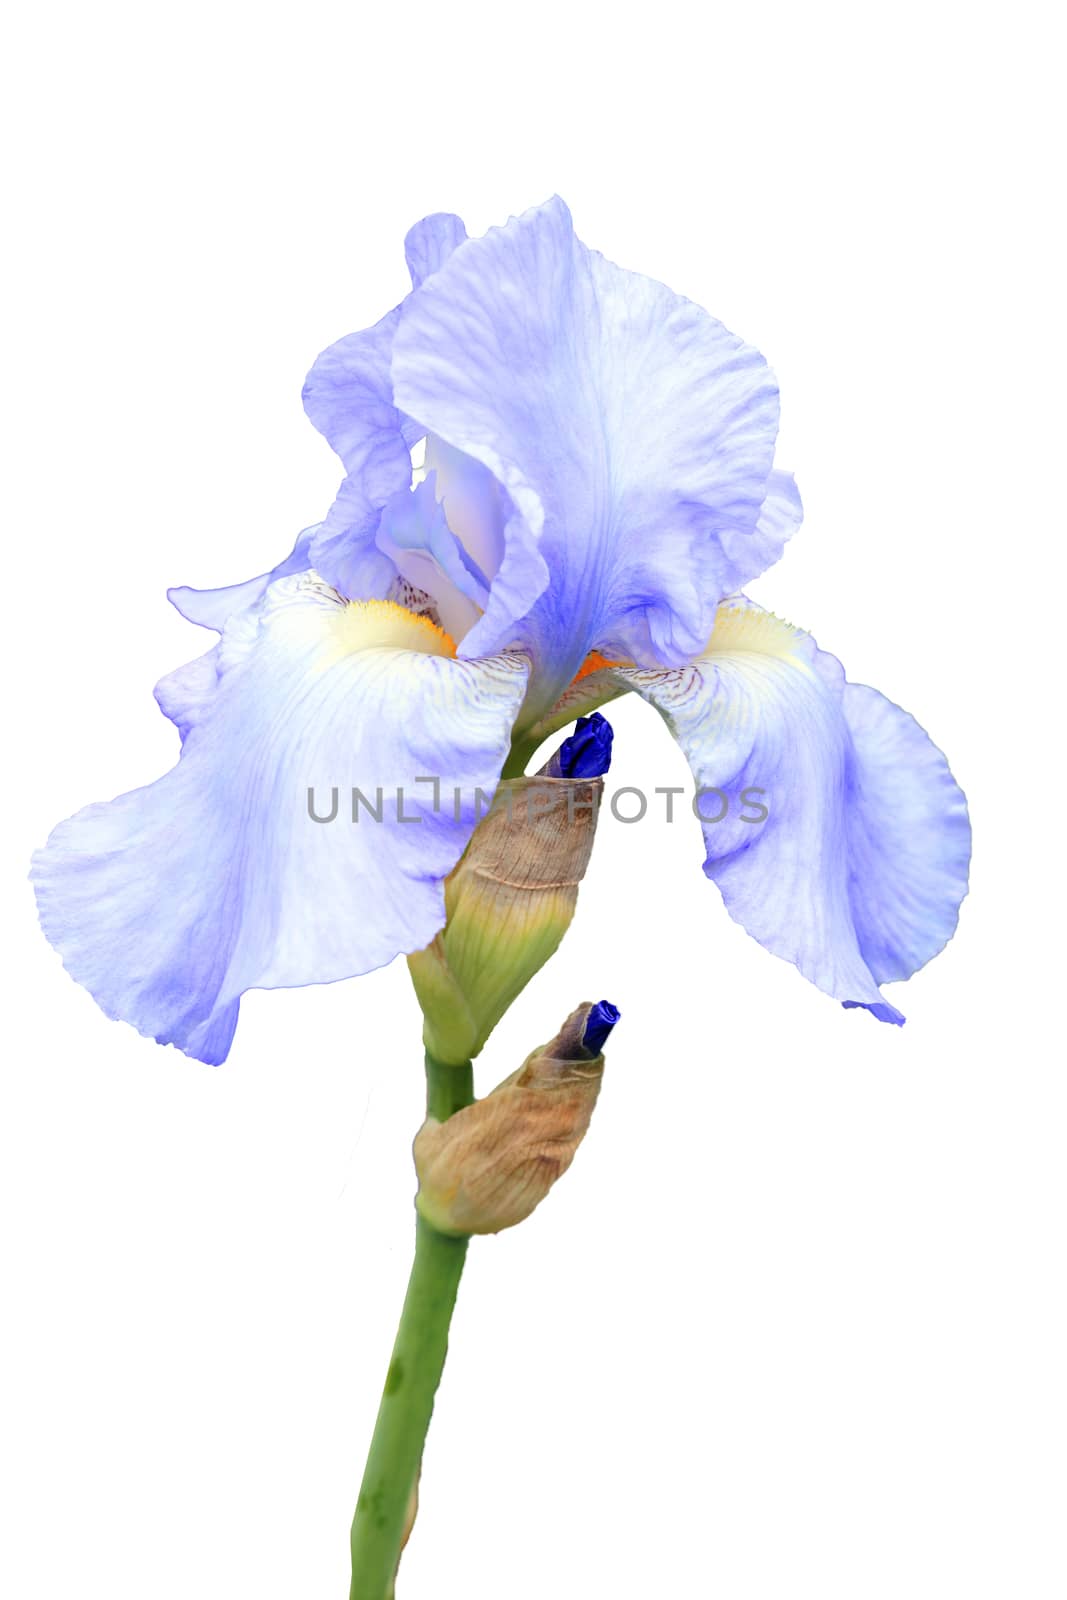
(430, 243)
(349, 397)
(169, 902)
(833, 826)
(631, 435)
(780, 516)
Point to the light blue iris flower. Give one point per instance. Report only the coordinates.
(598, 485)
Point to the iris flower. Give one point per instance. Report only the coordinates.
(598, 484)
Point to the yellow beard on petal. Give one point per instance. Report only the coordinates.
(384, 625)
(745, 628)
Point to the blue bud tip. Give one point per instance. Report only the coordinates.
(587, 752)
(599, 1023)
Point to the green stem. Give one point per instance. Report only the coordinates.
(519, 755)
(418, 1358)
(448, 1088)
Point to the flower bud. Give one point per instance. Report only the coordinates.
(511, 898)
(492, 1163)
(587, 751)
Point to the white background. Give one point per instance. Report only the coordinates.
(795, 1323)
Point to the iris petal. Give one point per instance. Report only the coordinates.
(349, 397)
(631, 435)
(416, 537)
(780, 516)
(169, 902)
(908, 837)
(430, 243)
(475, 505)
(185, 694)
(212, 608)
(857, 868)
